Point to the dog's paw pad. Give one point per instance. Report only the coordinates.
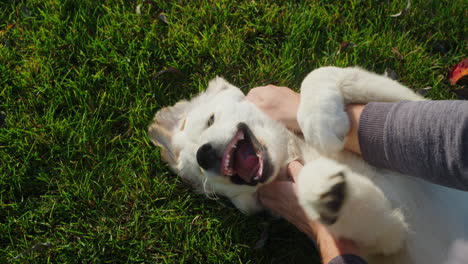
(330, 202)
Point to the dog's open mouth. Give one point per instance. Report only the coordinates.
(243, 157)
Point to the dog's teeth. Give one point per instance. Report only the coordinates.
(229, 172)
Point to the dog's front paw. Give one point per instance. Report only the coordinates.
(324, 130)
(323, 199)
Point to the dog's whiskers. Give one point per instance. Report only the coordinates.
(209, 193)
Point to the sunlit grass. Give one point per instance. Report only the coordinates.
(80, 81)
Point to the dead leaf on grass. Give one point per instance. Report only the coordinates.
(163, 18)
(172, 70)
(138, 10)
(36, 247)
(345, 45)
(10, 26)
(151, 2)
(7, 28)
(161, 15)
(397, 53)
(404, 11)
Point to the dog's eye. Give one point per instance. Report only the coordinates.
(210, 121)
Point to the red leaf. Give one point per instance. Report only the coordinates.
(458, 71)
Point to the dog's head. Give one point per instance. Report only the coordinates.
(221, 143)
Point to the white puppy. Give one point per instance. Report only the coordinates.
(224, 144)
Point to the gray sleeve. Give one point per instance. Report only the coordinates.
(347, 259)
(426, 139)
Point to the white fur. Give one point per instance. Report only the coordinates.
(394, 218)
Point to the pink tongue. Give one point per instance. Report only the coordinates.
(245, 161)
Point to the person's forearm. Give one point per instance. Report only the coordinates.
(352, 140)
(331, 248)
(426, 139)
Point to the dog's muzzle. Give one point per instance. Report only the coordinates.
(207, 157)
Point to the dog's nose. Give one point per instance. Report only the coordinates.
(206, 156)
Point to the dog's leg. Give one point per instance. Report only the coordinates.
(324, 94)
(321, 115)
(351, 206)
(246, 203)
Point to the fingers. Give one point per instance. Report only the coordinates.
(253, 95)
(269, 193)
(284, 184)
(283, 175)
(258, 94)
(293, 170)
(266, 93)
(290, 172)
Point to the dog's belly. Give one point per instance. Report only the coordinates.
(436, 216)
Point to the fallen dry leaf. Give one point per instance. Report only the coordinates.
(36, 247)
(397, 53)
(458, 71)
(346, 45)
(163, 18)
(10, 26)
(404, 11)
(138, 10)
(172, 70)
(161, 15)
(7, 28)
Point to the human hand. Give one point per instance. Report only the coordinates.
(282, 104)
(279, 103)
(280, 196)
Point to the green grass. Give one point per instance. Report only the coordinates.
(79, 84)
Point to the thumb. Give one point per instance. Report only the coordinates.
(294, 168)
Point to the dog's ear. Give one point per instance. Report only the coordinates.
(165, 123)
(217, 85)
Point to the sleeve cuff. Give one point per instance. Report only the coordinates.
(347, 259)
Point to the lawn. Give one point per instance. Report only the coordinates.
(80, 80)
